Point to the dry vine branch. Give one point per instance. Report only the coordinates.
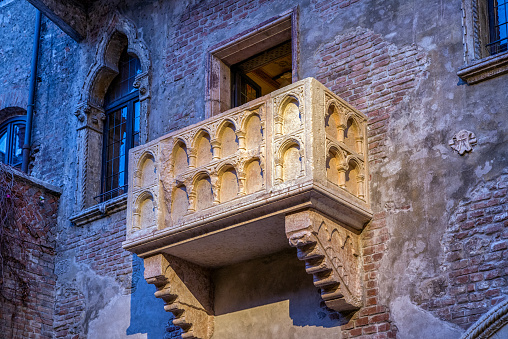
(24, 234)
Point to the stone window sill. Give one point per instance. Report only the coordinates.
(100, 210)
(484, 69)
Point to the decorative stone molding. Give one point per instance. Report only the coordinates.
(100, 210)
(484, 69)
(490, 323)
(238, 181)
(119, 34)
(331, 255)
(463, 141)
(186, 291)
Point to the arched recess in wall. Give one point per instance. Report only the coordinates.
(120, 33)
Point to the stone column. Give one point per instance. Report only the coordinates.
(89, 153)
(142, 82)
(216, 148)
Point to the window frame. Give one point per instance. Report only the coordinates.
(479, 65)
(222, 56)
(130, 100)
(8, 127)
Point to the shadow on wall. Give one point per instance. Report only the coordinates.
(147, 312)
(264, 283)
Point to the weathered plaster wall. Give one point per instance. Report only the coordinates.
(426, 253)
(271, 297)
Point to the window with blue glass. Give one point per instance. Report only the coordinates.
(12, 136)
(121, 128)
(498, 26)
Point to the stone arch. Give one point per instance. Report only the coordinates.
(492, 325)
(146, 170)
(290, 114)
(252, 126)
(353, 176)
(180, 157)
(10, 112)
(290, 160)
(228, 184)
(334, 125)
(120, 33)
(202, 147)
(179, 202)
(227, 138)
(353, 136)
(145, 210)
(335, 169)
(254, 175)
(202, 193)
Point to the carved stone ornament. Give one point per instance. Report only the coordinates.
(463, 141)
(490, 324)
(331, 255)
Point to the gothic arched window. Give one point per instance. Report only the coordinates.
(12, 136)
(121, 128)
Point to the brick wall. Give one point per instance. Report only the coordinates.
(372, 75)
(373, 320)
(99, 249)
(105, 269)
(327, 8)
(476, 265)
(28, 214)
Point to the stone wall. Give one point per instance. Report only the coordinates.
(28, 218)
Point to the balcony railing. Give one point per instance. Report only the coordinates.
(294, 139)
(241, 184)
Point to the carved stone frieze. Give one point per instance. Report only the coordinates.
(331, 255)
(463, 141)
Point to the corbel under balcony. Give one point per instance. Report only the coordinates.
(286, 170)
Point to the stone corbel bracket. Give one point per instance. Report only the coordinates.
(186, 291)
(331, 255)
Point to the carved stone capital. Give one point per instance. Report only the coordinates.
(142, 82)
(331, 254)
(186, 291)
(90, 116)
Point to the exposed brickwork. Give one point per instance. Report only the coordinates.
(27, 242)
(476, 265)
(195, 24)
(330, 8)
(186, 55)
(99, 250)
(372, 75)
(373, 320)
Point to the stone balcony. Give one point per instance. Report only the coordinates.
(287, 169)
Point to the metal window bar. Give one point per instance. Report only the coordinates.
(498, 23)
